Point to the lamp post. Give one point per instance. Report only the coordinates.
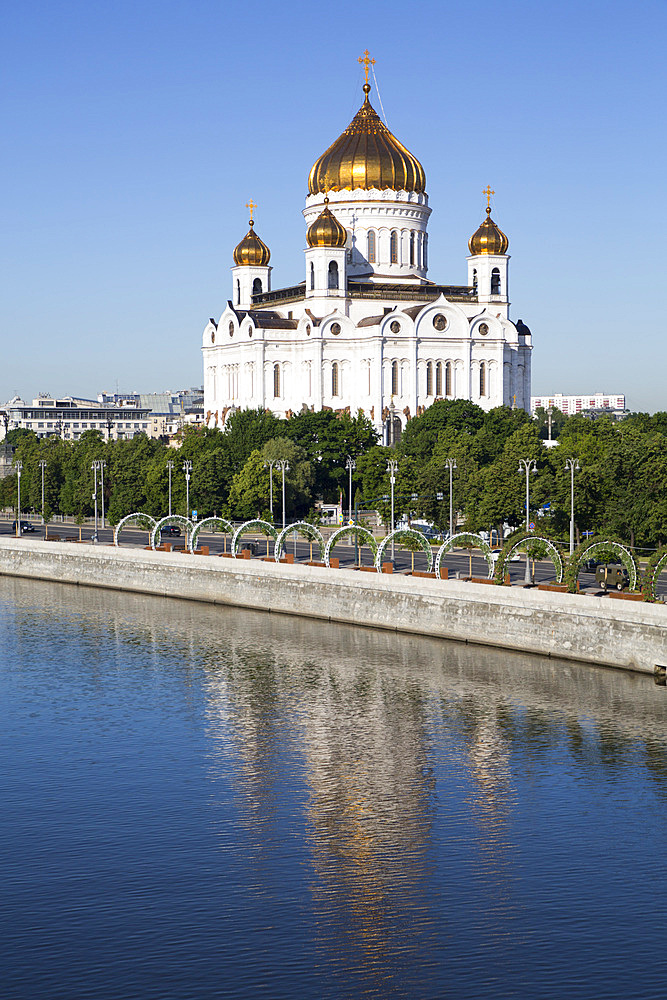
(187, 469)
(95, 467)
(284, 467)
(42, 465)
(451, 465)
(269, 465)
(392, 466)
(102, 465)
(549, 415)
(350, 465)
(527, 465)
(170, 469)
(19, 469)
(573, 465)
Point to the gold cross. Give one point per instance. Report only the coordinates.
(250, 205)
(367, 61)
(488, 192)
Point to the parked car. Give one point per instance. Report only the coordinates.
(169, 529)
(26, 526)
(614, 575)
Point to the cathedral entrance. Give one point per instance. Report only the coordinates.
(392, 430)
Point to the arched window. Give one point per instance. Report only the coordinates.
(438, 379)
(257, 286)
(394, 378)
(312, 276)
(429, 378)
(412, 249)
(495, 281)
(238, 292)
(276, 381)
(372, 248)
(474, 280)
(333, 274)
(393, 247)
(448, 379)
(482, 378)
(425, 265)
(335, 387)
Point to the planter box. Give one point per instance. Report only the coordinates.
(559, 588)
(202, 551)
(629, 596)
(387, 567)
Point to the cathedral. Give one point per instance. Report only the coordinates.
(366, 329)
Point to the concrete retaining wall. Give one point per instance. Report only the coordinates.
(589, 629)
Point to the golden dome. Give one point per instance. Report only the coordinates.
(489, 238)
(326, 230)
(251, 250)
(366, 156)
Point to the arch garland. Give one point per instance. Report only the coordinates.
(263, 526)
(656, 564)
(516, 542)
(360, 533)
(170, 519)
(211, 524)
(593, 547)
(396, 536)
(465, 539)
(309, 531)
(130, 517)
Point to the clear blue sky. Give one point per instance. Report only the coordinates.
(135, 132)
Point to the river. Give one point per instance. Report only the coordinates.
(200, 802)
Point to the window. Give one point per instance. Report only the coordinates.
(333, 274)
(334, 379)
(412, 249)
(257, 286)
(448, 379)
(429, 378)
(474, 280)
(312, 276)
(495, 281)
(438, 379)
(238, 292)
(372, 251)
(276, 381)
(394, 378)
(393, 247)
(482, 378)
(425, 263)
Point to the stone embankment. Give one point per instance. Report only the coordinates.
(628, 635)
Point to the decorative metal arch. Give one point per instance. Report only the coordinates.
(552, 552)
(170, 519)
(396, 536)
(625, 555)
(359, 532)
(470, 540)
(304, 528)
(129, 517)
(651, 577)
(263, 526)
(226, 527)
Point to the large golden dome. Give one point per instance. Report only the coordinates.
(489, 238)
(326, 230)
(366, 156)
(251, 250)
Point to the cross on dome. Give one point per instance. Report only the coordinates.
(367, 61)
(488, 192)
(250, 205)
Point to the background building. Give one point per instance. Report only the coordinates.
(576, 404)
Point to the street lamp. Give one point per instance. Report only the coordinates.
(549, 415)
(102, 466)
(170, 468)
(187, 469)
(42, 465)
(284, 466)
(19, 468)
(95, 466)
(573, 465)
(451, 465)
(350, 465)
(392, 466)
(269, 465)
(527, 465)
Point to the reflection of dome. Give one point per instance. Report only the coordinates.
(251, 250)
(367, 156)
(326, 230)
(489, 238)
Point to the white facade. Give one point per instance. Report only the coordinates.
(575, 404)
(367, 330)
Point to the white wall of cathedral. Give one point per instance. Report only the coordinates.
(386, 230)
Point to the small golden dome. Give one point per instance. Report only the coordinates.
(326, 230)
(489, 238)
(366, 156)
(251, 250)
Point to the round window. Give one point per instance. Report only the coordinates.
(440, 322)
(308, 329)
(335, 329)
(213, 337)
(483, 329)
(395, 327)
(231, 329)
(250, 331)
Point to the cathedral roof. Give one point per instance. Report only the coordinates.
(251, 250)
(489, 238)
(326, 230)
(367, 156)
